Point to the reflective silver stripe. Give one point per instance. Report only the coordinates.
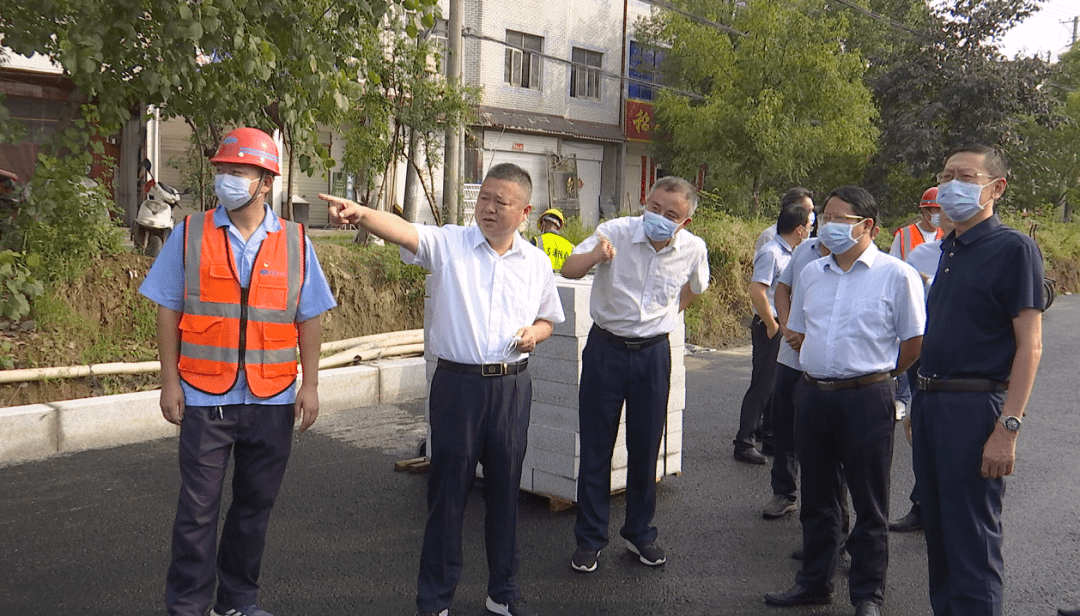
(209, 353)
(266, 315)
(229, 356)
(213, 309)
(192, 252)
(295, 245)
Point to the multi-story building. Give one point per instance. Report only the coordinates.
(554, 100)
(561, 95)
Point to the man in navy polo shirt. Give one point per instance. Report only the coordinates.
(980, 353)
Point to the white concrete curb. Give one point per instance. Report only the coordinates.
(38, 431)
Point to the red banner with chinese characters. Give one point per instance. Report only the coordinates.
(640, 121)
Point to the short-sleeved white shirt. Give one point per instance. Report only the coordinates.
(479, 298)
(769, 261)
(636, 294)
(854, 321)
(804, 253)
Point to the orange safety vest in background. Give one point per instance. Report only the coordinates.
(225, 327)
(911, 236)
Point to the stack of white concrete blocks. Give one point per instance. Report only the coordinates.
(554, 452)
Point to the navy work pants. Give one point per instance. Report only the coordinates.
(961, 510)
(611, 375)
(473, 419)
(259, 438)
(754, 417)
(845, 435)
(785, 467)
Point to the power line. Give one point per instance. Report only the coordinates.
(694, 17)
(886, 20)
(468, 33)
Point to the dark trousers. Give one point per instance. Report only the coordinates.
(845, 434)
(961, 510)
(785, 467)
(473, 419)
(610, 376)
(754, 417)
(259, 438)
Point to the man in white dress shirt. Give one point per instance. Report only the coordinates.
(493, 300)
(858, 310)
(648, 269)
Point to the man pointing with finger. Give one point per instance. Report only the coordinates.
(493, 300)
(648, 270)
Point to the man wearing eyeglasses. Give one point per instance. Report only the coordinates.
(857, 311)
(980, 354)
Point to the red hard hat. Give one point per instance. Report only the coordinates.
(248, 146)
(929, 198)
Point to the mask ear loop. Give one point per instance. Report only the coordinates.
(262, 174)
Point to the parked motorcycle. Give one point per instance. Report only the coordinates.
(154, 222)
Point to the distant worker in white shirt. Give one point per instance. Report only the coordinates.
(493, 300)
(648, 269)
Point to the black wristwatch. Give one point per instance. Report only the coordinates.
(1011, 423)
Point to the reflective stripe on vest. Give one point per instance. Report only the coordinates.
(224, 326)
(911, 236)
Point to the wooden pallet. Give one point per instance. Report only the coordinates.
(416, 466)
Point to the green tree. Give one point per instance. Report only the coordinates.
(778, 102)
(1047, 168)
(949, 87)
(406, 93)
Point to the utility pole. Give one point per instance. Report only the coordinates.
(452, 158)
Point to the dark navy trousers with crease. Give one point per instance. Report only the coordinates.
(845, 435)
(611, 375)
(961, 509)
(259, 439)
(473, 419)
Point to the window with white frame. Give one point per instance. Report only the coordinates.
(585, 73)
(523, 59)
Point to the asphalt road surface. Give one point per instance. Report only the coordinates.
(88, 534)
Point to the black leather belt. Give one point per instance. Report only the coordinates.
(630, 344)
(926, 383)
(501, 369)
(842, 384)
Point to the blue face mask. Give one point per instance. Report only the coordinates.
(960, 200)
(837, 236)
(233, 191)
(659, 228)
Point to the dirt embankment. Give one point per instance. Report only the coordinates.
(100, 317)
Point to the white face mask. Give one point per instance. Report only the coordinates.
(935, 220)
(837, 236)
(233, 191)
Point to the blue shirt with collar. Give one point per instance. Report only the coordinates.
(769, 261)
(854, 320)
(986, 276)
(164, 285)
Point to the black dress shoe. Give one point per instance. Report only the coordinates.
(909, 523)
(1065, 612)
(867, 608)
(796, 595)
(750, 455)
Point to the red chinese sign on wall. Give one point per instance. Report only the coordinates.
(640, 121)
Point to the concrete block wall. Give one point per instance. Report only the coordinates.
(38, 431)
(554, 452)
